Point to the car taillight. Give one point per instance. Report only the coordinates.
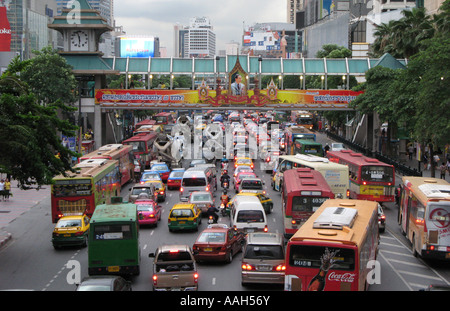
(151, 216)
(181, 189)
(78, 233)
(279, 268)
(195, 277)
(266, 229)
(247, 267)
(155, 279)
(161, 192)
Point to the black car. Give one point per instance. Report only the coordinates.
(104, 283)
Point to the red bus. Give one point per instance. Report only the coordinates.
(122, 153)
(94, 182)
(163, 118)
(304, 191)
(143, 146)
(336, 249)
(370, 179)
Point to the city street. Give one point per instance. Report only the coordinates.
(29, 261)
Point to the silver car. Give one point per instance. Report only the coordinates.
(202, 199)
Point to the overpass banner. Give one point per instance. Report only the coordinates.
(206, 98)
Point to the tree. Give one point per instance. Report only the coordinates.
(30, 126)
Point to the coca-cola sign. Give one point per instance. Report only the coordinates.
(5, 31)
(341, 277)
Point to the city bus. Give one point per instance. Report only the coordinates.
(94, 182)
(113, 246)
(122, 153)
(305, 146)
(143, 146)
(164, 118)
(369, 178)
(424, 216)
(303, 118)
(335, 249)
(335, 174)
(304, 191)
(292, 133)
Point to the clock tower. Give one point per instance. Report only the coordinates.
(81, 27)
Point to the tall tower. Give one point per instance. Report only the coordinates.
(292, 7)
(201, 38)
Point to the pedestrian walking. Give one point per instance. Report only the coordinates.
(2, 189)
(7, 188)
(443, 169)
(410, 151)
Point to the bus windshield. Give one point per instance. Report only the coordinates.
(308, 256)
(138, 146)
(377, 173)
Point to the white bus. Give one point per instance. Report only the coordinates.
(335, 174)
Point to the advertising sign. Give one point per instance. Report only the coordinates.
(5, 31)
(137, 47)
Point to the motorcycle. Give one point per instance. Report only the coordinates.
(225, 184)
(211, 220)
(222, 209)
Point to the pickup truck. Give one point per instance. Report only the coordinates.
(174, 269)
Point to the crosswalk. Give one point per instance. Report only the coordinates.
(414, 273)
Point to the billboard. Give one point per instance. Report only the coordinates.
(5, 31)
(137, 47)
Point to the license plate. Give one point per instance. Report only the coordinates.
(66, 235)
(113, 269)
(264, 268)
(181, 222)
(208, 249)
(250, 230)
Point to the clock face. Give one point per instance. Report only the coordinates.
(79, 40)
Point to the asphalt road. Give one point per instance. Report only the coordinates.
(29, 261)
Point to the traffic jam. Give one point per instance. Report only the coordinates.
(216, 169)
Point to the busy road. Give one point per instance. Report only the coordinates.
(30, 261)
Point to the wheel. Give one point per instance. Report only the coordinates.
(229, 257)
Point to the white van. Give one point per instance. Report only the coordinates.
(247, 214)
(196, 179)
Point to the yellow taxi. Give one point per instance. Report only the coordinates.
(184, 216)
(71, 230)
(266, 202)
(244, 161)
(160, 189)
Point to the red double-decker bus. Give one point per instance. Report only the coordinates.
(122, 153)
(370, 179)
(336, 249)
(304, 191)
(142, 146)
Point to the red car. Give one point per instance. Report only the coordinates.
(149, 212)
(218, 242)
(240, 176)
(175, 177)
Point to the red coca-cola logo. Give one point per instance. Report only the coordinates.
(5, 31)
(342, 277)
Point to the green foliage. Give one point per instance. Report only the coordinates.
(30, 122)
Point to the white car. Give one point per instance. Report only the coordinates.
(337, 147)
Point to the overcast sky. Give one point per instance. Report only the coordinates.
(157, 17)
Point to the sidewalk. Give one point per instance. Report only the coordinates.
(19, 203)
(426, 173)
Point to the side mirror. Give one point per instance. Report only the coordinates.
(151, 255)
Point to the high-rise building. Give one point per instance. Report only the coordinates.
(28, 21)
(105, 7)
(293, 6)
(196, 40)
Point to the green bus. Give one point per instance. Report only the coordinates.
(306, 146)
(113, 246)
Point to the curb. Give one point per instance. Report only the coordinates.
(4, 238)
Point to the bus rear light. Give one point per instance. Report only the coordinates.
(420, 221)
(430, 247)
(348, 193)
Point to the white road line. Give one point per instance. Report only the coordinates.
(213, 281)
(396, 272)
(420, 275)
(406, 263)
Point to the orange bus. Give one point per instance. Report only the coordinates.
(424, 216)
(370, 179)
(143, 146)
(94, 182)
(335, 249)
(122, 153)
(304, 191)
